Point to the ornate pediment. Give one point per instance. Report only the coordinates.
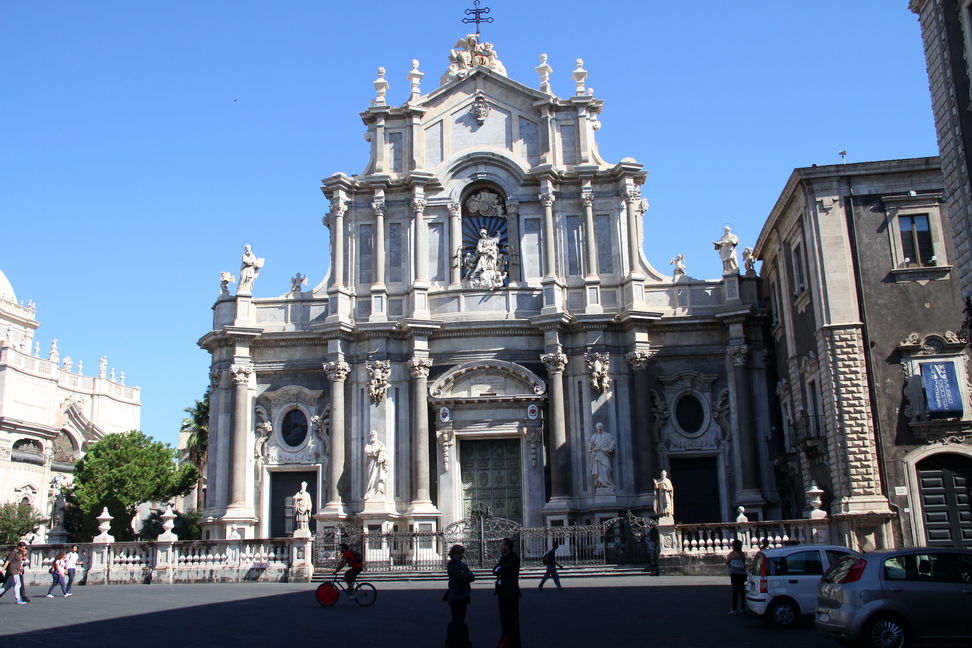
(293, 394)
(487, 380)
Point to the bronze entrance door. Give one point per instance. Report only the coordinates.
(945, 481)
(492, 476)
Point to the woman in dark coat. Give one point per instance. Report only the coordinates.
(460, 578)
(507, 572)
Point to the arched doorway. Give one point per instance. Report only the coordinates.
(945, 487)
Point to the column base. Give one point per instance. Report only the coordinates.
(302, 533)
(423, 509)
(605, 497)
(375, 507)
(332, 511)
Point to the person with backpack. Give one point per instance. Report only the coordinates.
(352, 559)
(550, 561)
(736, 560)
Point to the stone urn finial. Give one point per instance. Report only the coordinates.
(813, 494)
(168, 521)
(104, 523)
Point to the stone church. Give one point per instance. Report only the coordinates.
(490, 333)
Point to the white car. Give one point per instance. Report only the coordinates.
(783, 582)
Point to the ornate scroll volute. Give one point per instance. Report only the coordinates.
(739, 354)
(639, 359)
(337, 371)
(419, 367)
(555, 362)
(241, 373)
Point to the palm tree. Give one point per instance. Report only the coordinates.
(197, 445)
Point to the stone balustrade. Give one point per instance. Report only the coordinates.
(194, 561)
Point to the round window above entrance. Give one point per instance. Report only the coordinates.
(689, 415)
(293, 431)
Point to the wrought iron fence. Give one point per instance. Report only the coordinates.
(626, 540)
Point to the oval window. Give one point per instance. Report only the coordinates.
(689, 414)
(294, 428)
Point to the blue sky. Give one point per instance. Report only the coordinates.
(142, 144)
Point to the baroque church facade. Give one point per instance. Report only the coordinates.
(490, 334)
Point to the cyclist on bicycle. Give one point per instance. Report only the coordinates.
(352, 560)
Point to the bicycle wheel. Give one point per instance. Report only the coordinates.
(365, 594)
(327, 594)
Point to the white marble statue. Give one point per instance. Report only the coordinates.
(376, 458)
(602, 457)
(487, 272)
(302, 507)
(749, 262)
(249, 270)
(225, 279)
(296, 282)
(727, 250)
(54, 355)
(57, 516)
(467, 53)
(68, 363)
(103, 366)
(679, 263)
(664, 496)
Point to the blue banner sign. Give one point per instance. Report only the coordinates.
(941, 390)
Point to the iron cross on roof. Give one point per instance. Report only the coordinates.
(477, 16)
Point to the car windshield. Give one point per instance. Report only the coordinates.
(839, 569)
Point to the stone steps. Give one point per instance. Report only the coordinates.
(596, 571)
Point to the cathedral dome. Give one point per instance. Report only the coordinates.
(6, 290)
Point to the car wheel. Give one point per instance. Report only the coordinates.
(885, 632)
(782, 613)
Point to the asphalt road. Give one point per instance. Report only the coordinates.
(656, 611)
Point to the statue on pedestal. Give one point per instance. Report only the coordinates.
(377, 466)
(602, 457)
(664, 496)
(302, 508)
(727, 250)
(249, 270)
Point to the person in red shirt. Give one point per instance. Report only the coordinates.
(353, 563)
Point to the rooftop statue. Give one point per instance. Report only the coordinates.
(467, 53)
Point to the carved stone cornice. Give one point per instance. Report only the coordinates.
(241, 373)
(547, 199)
(378, 207)
(555, 362)
(419, 367)
(739, 353)
(337, 371)
(587, 199)
(639, 359)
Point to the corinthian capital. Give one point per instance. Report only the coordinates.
(418, 206)
(738, 353)
(241, 373)
(555, 362)
(378, 206)
(547, 199)
(337, 371)
(338, 206)
(639, 359)
(587, 198)
(632, 195)
(513, 207)
(455, 209)
(419, 367)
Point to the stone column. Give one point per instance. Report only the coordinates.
(632, 198)
(238, 445)
(647, 452)
(378, 207)
(419, 369)
(587, 198)
(559, 451)
(336, 371)
(215, 422)
(748, 450)
(338, 209)
(421, 242)
(549, 238)
(455, 243)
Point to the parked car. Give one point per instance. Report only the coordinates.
(782, 584)
(892, 597)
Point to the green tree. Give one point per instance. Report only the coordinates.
(197, 445)
(121, 471)
(16, 521)
(185, 525)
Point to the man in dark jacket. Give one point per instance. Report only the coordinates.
(14, 567)
(507, 591)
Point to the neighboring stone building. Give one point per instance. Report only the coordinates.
(873, 380)
(50, 411)
(488, 304)
(946, 29)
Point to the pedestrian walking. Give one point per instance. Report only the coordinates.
(458, 596)
(13, 567)
(71, 563)
(58, 572)
(736, 560)
(507, 592)
(550, 560)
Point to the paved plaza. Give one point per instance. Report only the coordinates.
(658, 611)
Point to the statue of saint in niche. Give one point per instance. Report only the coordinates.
(487, 257)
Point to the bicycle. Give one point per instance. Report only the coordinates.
(365, 594)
